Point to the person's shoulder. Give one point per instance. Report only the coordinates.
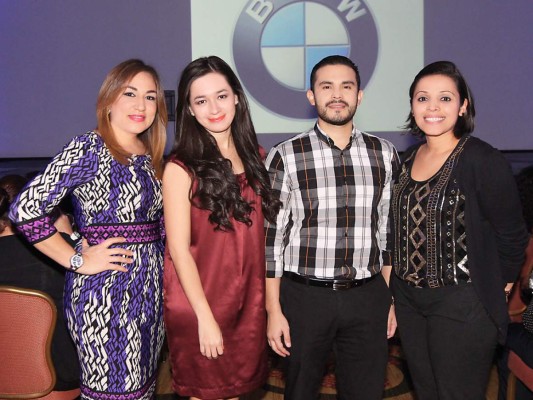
(173, 160)
(376, 140)
(477, 144)
(410, 151)
(478, 149)
(483, 158)
(290, 141)
(87, 140)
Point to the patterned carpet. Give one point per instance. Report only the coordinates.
(397, 384)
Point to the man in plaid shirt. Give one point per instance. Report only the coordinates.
(328, 255)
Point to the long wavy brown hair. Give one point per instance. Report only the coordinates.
(154, 138)
(218, 189)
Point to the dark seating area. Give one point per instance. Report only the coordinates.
(22, 166)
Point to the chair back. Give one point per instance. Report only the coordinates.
(27, 322)
(518, 369)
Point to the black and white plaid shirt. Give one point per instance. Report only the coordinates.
(334, 221)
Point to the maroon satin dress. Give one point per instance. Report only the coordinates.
(232, 270)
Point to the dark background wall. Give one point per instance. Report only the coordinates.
(54, 55)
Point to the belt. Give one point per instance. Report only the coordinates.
(133, 232)
(335, 284)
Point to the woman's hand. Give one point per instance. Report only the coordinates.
(508, 288)
(102, 257)
(211, 343)
(392, 324)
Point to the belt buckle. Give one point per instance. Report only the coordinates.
(342, 285)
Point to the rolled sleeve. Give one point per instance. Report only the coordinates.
(385, 228)
(276, 233)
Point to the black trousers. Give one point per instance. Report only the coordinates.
(448, 339)
(352, 323)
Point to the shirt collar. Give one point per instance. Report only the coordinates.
(325, 138)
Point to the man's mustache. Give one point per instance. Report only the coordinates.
(337, 102)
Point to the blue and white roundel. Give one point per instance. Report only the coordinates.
(276, 43)
(305, 46)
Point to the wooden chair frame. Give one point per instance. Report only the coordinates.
(7, 392)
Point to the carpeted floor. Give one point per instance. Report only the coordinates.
(397, 384)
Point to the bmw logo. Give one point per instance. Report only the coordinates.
(277, 43)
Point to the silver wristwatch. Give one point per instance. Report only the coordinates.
(76, 262)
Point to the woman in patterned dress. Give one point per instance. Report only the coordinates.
(215, 192)
(459, 241)
(113, 301)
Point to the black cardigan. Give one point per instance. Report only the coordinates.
(495, 229)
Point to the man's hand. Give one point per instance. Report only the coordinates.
(278, 333)
(391, 322)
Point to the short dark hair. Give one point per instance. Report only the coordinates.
(465, 123)
(335, 60)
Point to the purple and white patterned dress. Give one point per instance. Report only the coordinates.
(115, 318)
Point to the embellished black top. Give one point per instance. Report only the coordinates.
(430, 234)
(496, 235)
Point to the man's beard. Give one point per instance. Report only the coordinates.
(338, 119)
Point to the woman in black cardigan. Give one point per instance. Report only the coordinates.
(460, 241)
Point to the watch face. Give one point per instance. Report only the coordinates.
(76, 261)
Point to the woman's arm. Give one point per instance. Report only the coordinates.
(32, 209)
(96, 258)
(177, 210)
(500, 204)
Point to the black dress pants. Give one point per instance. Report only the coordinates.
(352, 323)
(448, 339)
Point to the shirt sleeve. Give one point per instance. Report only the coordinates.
(76, 164)
(276, 234)
(386, 221)
(500, 204)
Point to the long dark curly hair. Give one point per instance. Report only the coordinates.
(218, 189)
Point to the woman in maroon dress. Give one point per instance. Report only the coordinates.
(215, 195)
